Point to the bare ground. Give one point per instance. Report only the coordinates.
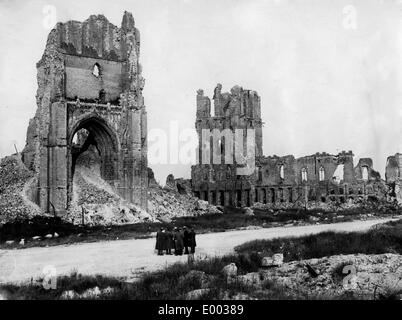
(129, 258)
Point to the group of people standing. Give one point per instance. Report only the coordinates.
(178, 239)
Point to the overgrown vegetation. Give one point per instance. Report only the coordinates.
(231, 218)
(385, 238)
(168, 284)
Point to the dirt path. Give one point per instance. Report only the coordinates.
(128, 258)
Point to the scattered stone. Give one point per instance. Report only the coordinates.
(22, 242)
(10, 242)
(36, 238)
(56, 235)
(49, 236)
(248, 211)
(275, 261)
(165, 219)
(230, 271)
(91, 293)
(196, 294)
(252, 278)
(107, 291)
(201, 205)
(239, 296)
(69, 295)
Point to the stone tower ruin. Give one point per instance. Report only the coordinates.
(237, 109)
(89, 77)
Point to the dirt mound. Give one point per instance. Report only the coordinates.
(14, 177)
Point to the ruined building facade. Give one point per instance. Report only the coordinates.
(393, 176)
(89, 77)
(275, 180)
(239, 109)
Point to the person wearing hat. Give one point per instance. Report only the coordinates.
(174, 236)
(169, 242)
(192, 242)
(186, 239)
(159, 241)
(179, 236)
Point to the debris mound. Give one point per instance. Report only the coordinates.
(176, 200)
(14, 179)
(94, 200)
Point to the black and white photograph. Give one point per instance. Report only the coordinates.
(227, 151)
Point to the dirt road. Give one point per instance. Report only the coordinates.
(128, 258)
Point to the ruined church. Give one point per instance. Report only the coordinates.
(89, 97)
(277, 181)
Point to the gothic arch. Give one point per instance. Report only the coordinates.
(104, 138)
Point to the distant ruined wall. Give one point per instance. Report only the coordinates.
(318, 177)
(89, 77)
(393, 176)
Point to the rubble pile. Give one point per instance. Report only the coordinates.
(91, 194)
(169, 203)
(176, 200)
(95, 202)
(14, 177)
(367, 276)
(380, 205)
(357, 276)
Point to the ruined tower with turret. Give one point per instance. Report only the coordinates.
(89, 78)
(222, 183)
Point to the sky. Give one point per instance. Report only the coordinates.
(329, 73)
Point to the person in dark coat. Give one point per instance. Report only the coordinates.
(192, 242)
(186, 239)
(160, 241)
(174, 233)
(169, 242)
(179, 241)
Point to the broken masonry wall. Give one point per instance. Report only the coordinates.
(393, 168)
(69, 95)
(237, 109)
(393, 177)
(366, 164)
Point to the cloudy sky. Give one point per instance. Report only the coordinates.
(329, 73)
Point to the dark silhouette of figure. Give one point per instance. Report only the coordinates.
(160, 241)
(192, 241)
(179, 241)
(186, 239)
(169, 242)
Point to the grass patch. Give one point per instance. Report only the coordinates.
(386, 238)
(165, 284)
(170, 283)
